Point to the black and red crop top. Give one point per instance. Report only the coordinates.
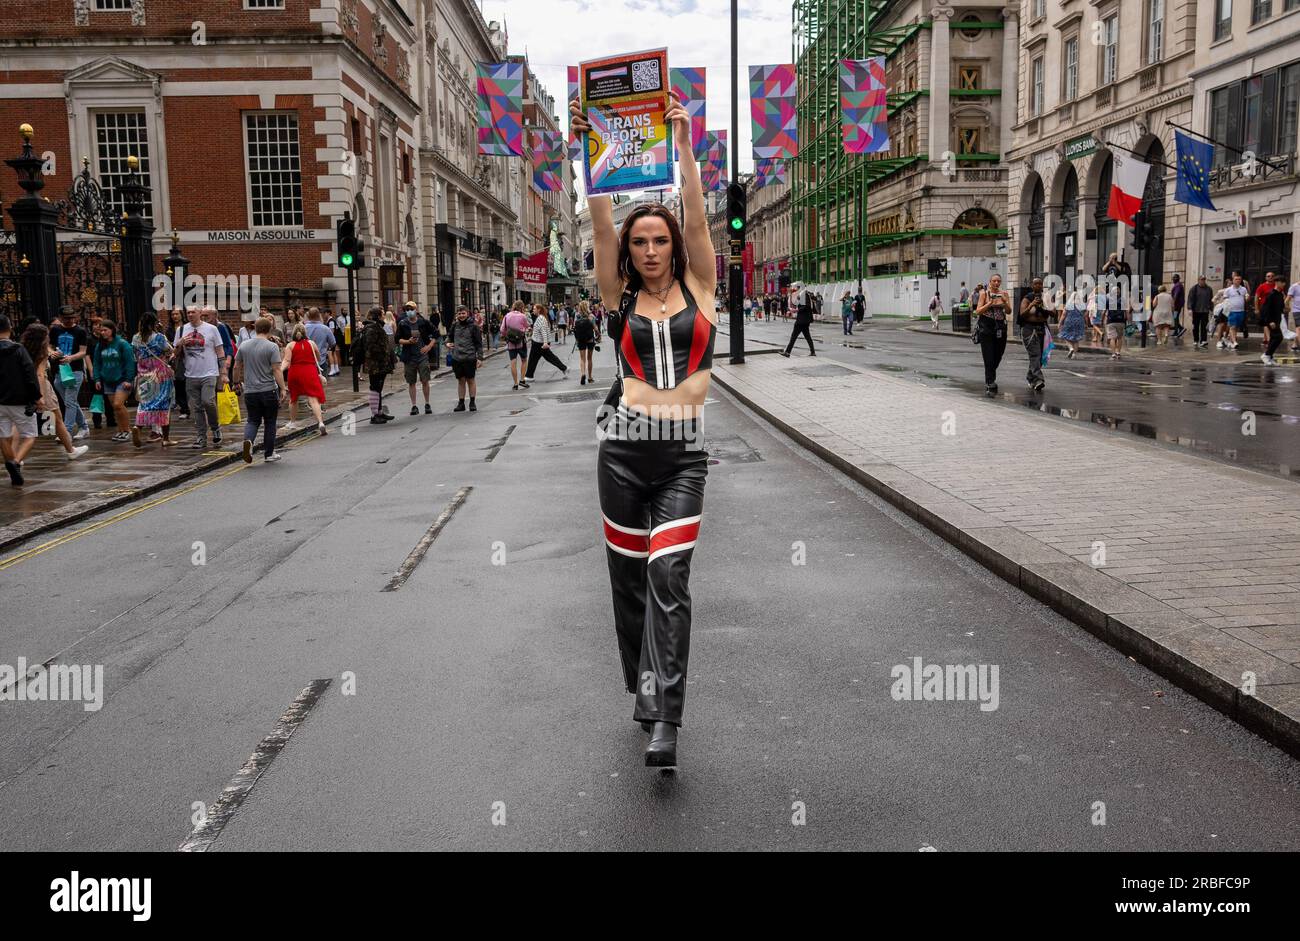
(664, 352)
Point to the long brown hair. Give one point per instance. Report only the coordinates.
(36, 340)
(626, 269)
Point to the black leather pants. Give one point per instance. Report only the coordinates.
(652, 498)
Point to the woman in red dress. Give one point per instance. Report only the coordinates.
(301, 368)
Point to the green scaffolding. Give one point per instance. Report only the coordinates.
(829, 188)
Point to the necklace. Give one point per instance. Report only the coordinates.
(661, 297)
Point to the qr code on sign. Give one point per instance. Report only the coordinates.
(645, 76)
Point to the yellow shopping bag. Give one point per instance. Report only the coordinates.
(228, 408)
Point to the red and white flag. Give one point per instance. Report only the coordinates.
(1128, 183)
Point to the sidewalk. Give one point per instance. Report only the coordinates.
(113, 474)
(1205, 594)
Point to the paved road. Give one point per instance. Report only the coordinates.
(479, 683)
(1180, 402)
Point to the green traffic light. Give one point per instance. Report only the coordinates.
(345, 260)
(737, 224)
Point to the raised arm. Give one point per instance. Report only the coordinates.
(604, 237)
(699, 243)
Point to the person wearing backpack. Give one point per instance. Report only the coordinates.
(585, 336)
(514, 330)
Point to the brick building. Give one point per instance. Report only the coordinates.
(257, 123)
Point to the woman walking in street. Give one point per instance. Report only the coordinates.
(846, 314)
(541, 346)
(36, 340)
(585, 337)
(1070, 327)
(155, 381)
(991, 306)
(302, 369)
(114, 374)
(652, 485)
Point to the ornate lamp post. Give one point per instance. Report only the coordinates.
(35, 218)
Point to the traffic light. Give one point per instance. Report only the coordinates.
(736, 211)
(349, 246)
(1140, 230)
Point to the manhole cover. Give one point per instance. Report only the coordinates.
(733, 449)
(569, 397)
(828, 369)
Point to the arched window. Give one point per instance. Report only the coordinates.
(975, 218)
(1036, 226)
(1107, 228)
(1070, 200)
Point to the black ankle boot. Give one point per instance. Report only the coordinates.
(662, 750)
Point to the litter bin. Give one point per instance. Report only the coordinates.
(961, 318)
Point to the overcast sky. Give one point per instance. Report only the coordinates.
(559, 33)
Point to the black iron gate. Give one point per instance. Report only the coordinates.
(13, 277)
(90, 252)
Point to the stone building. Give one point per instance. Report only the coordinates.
(769, 233)
(940, 191)
(256, 124)
(1096, 77)
(1246, 86)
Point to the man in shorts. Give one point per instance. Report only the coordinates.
(514, 330)
(415, 339)
(1234, 305)
(19, 392)
(466, 342)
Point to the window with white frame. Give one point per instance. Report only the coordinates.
(1036, 88)
(1040, 9)
(110, 5)
(274, 169)
(1070, 77)
(1155, 30)
(263, 4)
(1110, 49)
(119, 135)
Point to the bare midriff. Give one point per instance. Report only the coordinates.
(684, 401)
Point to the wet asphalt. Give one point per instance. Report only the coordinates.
(1192, 402)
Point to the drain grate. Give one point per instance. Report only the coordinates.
(828, 369)
(567, 398)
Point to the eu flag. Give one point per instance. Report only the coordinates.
(1194, 161)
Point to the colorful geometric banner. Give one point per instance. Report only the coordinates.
(772, 105)
(864, 115)
(713, 168)
(548, 160)
(575, 145)
(767, 172)
(500, 88)
(688, 85)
